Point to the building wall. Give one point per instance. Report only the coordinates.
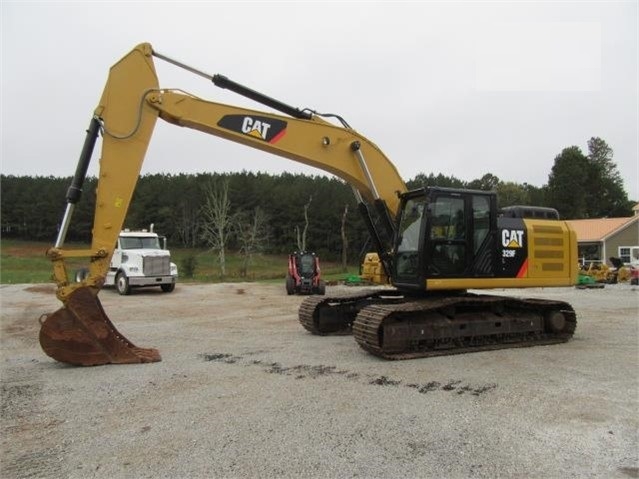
(628, 237)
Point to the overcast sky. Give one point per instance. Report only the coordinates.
(461, 89)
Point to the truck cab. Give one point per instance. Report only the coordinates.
(140, 259)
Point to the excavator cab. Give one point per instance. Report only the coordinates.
(452, 239)
(444, 233)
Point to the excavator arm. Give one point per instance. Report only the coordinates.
(80, 332)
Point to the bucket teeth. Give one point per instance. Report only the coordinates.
(80, 333)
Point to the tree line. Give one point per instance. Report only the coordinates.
(580, 185)
(270, 212)
(180, 208)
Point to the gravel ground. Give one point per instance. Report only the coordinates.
(244, 391)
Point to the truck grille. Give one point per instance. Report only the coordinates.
(157, 265)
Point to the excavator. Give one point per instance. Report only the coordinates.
(437, 245)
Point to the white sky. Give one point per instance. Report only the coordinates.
(461, 89)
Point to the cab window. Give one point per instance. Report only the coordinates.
(447, 237)
(481, 220)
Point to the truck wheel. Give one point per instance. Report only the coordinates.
(321, 288)
(167, 288)
(122, 284)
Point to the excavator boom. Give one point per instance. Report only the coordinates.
(80, 332)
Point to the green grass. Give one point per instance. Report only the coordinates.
(25, 262)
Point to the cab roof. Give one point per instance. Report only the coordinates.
(138, 234)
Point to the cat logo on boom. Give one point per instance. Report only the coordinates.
(254, 127)
(258, 127)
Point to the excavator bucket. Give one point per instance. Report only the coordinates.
(81, 334)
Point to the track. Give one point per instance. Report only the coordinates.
(390, 326)
(333, 316)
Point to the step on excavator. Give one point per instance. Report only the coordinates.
(437, 245)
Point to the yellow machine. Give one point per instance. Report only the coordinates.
(433, 243)
(372, 270)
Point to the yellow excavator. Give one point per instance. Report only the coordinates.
(435, 244)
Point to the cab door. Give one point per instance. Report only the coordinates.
(447, 241)
(460, 234)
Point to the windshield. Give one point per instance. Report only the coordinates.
(410, 224)
(407, 258)
(307, 266)
(145, 242)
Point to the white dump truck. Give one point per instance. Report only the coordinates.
(141, 260)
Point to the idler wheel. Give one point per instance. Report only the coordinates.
(555, 321)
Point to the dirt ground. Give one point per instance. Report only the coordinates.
(244, 391)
